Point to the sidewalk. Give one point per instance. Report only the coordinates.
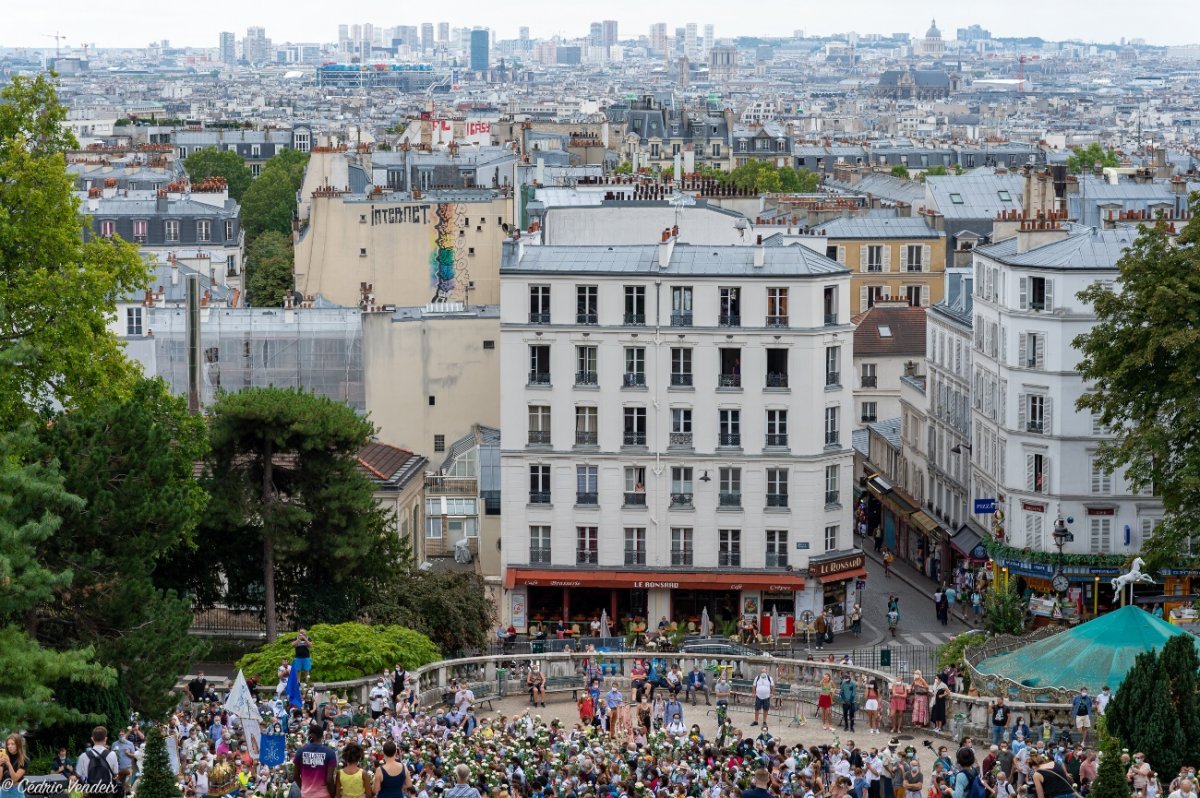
(909, 575)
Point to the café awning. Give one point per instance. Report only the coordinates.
(965, 540)
(780, 582)
(927, 524)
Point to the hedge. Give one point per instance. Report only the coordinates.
(345, 651)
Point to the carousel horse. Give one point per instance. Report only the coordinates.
(1135, 575)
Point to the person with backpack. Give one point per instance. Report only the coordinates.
(97, 766)
(967, 783)
(764, 691)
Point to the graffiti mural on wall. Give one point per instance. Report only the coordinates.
(448, 269)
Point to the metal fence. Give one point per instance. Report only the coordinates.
(224, 622)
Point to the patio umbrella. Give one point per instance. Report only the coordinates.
(775, 623)
(605, 631)
(705, 624)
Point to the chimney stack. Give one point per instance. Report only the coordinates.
(665, 248)
(760, 254)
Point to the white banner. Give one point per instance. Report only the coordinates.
(240, 701)
(253, 737)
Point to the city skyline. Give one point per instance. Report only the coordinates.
(1106, 21)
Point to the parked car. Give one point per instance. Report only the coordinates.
(718, 647)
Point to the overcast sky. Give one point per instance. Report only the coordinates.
(1162, 22)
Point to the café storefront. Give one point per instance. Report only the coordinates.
(836, 575)
(543, 596)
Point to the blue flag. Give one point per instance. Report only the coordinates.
(273, 750)
(293, 688)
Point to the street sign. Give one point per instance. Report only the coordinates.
(984, 506)
(801, 544)
(861, 584)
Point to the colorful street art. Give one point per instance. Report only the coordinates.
(448, 273)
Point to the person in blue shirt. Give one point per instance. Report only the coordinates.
(695, 684)
(612, 700)
(673, 716)
(1082, 708)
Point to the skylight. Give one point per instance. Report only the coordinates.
(885, 331)
(1004, 196)
(956, 199)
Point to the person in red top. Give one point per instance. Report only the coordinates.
(315, 766)
(587, 711)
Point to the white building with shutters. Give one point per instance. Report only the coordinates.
(1031, 449)
(675, 432)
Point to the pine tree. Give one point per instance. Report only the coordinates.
(1110, 777)
(1180, 663)
(1126, 712)
(157, 780)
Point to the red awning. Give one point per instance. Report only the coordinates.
(668, 580)
(842, 576)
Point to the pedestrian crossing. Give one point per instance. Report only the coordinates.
(923, 638)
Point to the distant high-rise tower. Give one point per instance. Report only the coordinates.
(480, 57)
(709, 37)
(228, 48)
(426, 37)
(609, 32)
(256, 47)
(443, 32)
(523, 33)
(689, 43)
(658, 37)
(596, 33)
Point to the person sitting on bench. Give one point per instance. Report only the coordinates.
(537, 686)
(695, 684)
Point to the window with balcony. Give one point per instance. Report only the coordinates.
(635, 486)
(635, 305)
(830, 305)
(1034, 410)
(587, 431)
(635, 545)
(1035, 293)
(681, 545)
(586, 304)
(868, 376)
(635, 426)
(870, 411)
(777, 548)
(539, 364)
(831, 538)
(587, 545)
(875, 294)
(777, 487)
(915, 261)
(832, 431)
(777, 307)
(681, 426)
(833, 493)
(539, 304)
(681, 367)
(539, 484)
(140, 227)
(777, 368)
(539, 545)
(635, 367)
(833, 366)
(730, 307)
(587, 485)
(730, 482)
(539, 425)
(586, 373)
(729, 548)
(777, 431)
(1031, 350)
(731, 368)
(729, 427)
(681, 486)
(681, 306)
(873, 258)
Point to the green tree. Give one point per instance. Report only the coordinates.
(1141, 360)
(623, 168)
(156, 779)
(214, 162)
(1083, 159)
(1125, 712)
(1004, 610)
(131, 462)
(293, 163)
(450, 607)
(900, 171)
(269, 270)
(798, 181)
(32, 499)
(269, 204)
(59, 290)
(1179, 659)
(289, 509)
(1110, 777)
(936, 171)
(1155, 708)
(346, 651)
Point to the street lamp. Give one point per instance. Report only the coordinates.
(1061, 535)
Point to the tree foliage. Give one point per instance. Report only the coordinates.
(1141, 360)
(290, 513)
(1110, 776)
(156, 779)
(59, 290)
(269, 270)
(270, 201)
(450, 607)
(1083, 159)
(1004, 609)
(32, 499)
(1155, 709)
(214, 162)
(131, 462)
(900, 171)
(346, 651)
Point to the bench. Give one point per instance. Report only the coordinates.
(794, 714)
(485, 693)
(563, 684)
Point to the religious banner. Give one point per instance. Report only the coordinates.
(272, 750)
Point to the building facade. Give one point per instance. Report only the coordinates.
(665, 450)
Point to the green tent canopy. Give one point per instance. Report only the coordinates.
(1097, 653)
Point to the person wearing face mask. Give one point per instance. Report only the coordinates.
(1081, 710)
(1186, 789)
(913, 778)
(1103, 699)
(1139, 773)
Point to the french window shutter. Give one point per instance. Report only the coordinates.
(926, 258)
(903, 257)
(1023, 291)
(862, 298)
(1049, 295)
(841, 253)
(863, 249)
(887, 257)
(1023, 349)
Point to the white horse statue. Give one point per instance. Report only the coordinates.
(1135, 575)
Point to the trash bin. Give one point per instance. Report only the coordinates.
(957, 722)
(885, 658)
(500, 674)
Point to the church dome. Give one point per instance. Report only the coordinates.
(933, 32)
